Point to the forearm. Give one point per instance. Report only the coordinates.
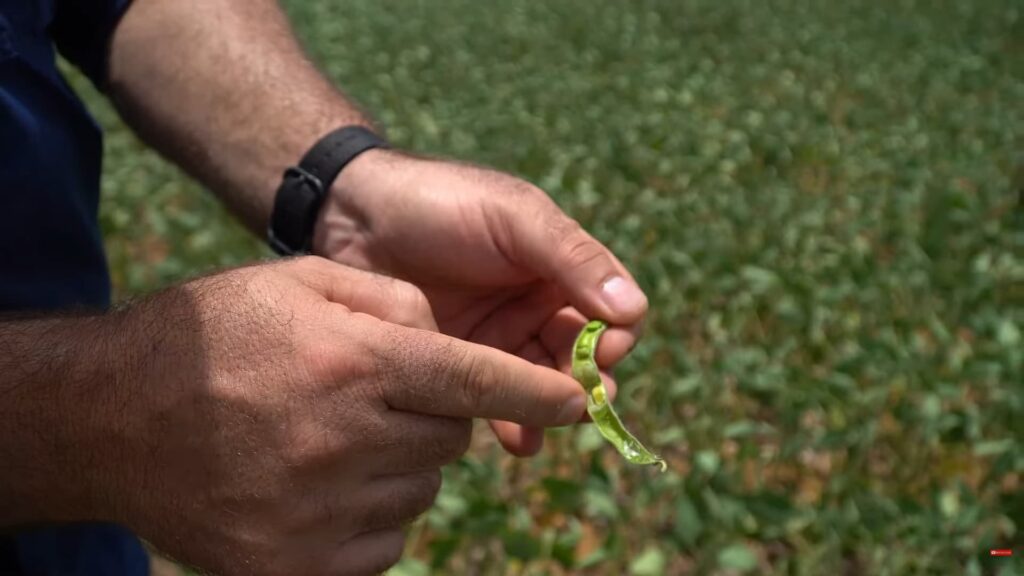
(223, 89)
(58, 391)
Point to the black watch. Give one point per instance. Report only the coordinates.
(305, 186)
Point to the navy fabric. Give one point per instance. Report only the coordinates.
(80, 549)
(51, 253)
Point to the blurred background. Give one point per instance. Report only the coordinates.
(819, 199)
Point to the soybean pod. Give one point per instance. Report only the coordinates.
(584, 370)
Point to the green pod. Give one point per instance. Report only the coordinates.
(584, 370)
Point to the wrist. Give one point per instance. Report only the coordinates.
(360, 199)
(62, 389)
(305, 186)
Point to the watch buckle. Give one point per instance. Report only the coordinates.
(295, 176)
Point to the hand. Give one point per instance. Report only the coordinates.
(501, 264)
(289, 418)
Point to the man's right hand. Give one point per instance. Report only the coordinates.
(289, 418)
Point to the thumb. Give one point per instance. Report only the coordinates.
(560, 250)
(441, 376)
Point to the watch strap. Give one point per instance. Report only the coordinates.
(305, 186)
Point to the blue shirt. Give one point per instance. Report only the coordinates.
(51, 254)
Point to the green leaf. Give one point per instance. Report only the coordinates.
(708, 461)
(739, 429)
(612, 548)
(409, 567)
(772, 511)
(760, 279)
(670, 435)
(442, 549)
(993, 447)
(564, 548)
(594, 558)
(949, 503)
(931, 407)
(598, 502)
(589, 439)
(521, 545)
(685, 386)
(737, 557)
(1007, 334)
(650, 562)
(562, 494)
(688, 525)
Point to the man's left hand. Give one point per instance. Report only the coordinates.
(500, 263)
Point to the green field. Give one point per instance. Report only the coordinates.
(819, 199)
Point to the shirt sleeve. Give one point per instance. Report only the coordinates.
(82, 29)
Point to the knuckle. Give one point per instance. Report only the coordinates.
(254, 281)
(391, 553)
(307, 264)
(472, 377)
(521, 189)
(421, 304)
(448, 444)
(316, 359)
(394, 553)
(436, 452)
(403, 502)
(464, 437)
(428, 485)
(308, 444)
(578, 249)
(392, 366)
(411, 299)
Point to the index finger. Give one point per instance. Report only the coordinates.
(431, 373)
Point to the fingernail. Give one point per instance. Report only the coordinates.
(623, 296)
(573, 410)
